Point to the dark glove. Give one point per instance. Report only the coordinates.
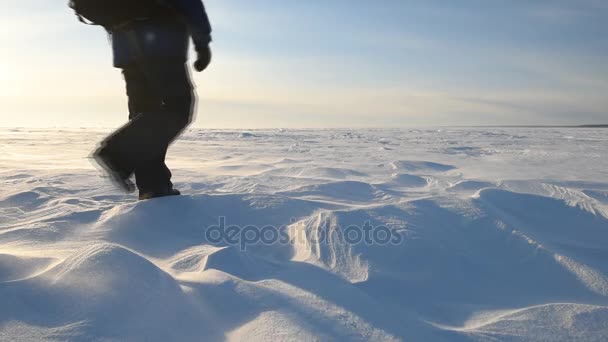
(204, 59)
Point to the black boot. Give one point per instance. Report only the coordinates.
(118, 176)
(146, 195)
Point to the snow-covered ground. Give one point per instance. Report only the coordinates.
(496, 234)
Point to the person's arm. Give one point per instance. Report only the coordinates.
(195, 16)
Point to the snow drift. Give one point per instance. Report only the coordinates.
(453, 255)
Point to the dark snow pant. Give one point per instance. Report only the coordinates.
(161, 101)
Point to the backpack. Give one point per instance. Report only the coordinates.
(114, 13)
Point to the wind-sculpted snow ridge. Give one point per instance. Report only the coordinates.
(342, 243)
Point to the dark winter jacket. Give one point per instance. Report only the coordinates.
(163, 37)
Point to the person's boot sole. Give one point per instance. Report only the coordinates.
(151, 195)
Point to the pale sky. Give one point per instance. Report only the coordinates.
(331, 63)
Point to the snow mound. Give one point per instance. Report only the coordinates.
(319, 240)
(19, 267)
(317, 172)
(103, 291)
(555, 221)
(240, 264)
(347, 191)
(407, 180)
(420, 166)
(554, 322)
(470, 185)
(27, 199)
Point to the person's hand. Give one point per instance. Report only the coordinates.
(204, 59)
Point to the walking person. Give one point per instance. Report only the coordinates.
(150, 41)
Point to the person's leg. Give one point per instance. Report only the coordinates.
(177, 97)
(140, 146)
(153, 175)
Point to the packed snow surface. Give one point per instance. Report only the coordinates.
(496, 234)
